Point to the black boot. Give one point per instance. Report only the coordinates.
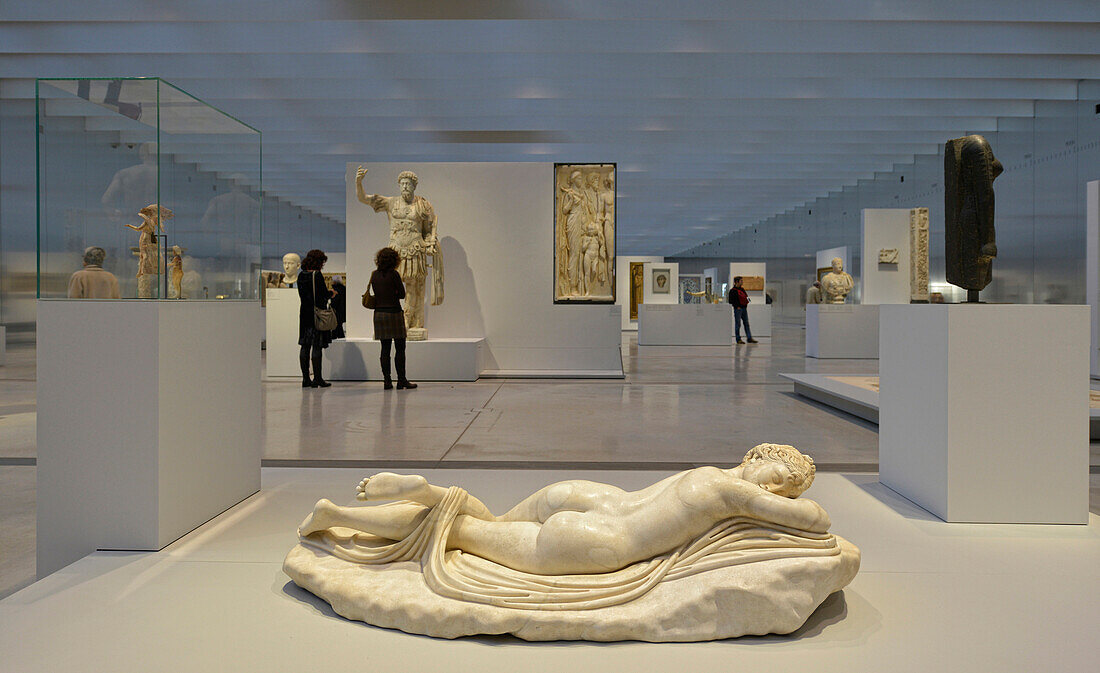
(318, 382)
(303, 360)
(387, 381)
(402, 380)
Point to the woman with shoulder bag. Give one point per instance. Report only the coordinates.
(314, 318)
(389, 319)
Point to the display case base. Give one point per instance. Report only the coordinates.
(983, 410)
(148, 421)
(684, 324)
(430, 360)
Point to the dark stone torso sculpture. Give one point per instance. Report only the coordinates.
(969, 169)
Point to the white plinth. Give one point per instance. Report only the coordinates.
(983, 411)
(760, 320)
(431, 360)
(148, 421)
(684, 324)
(281, 322)
(842, 331)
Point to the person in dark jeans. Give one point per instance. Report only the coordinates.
(389, 319)
(739, 299)
(314, 294)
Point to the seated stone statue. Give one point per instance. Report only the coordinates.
(578, 546)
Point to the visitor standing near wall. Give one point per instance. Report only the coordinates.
(739, 299)
(813, 294)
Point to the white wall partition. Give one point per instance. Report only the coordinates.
(622, 283)
(1092, 214)
(884, 228)
(496, 227)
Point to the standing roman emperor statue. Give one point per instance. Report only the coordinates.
(413, 236)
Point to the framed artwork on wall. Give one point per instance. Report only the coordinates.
(637, 273)
(584, 233)
(662, 281)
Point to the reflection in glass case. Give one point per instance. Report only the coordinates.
(144, 192)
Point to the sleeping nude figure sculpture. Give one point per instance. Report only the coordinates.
(705, 554)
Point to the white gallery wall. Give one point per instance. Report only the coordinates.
(884, 283)
(1092, 227)
(496, 228)
(622, 284)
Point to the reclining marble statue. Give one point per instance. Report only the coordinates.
(705, 554)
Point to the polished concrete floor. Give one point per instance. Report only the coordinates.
(677, 407)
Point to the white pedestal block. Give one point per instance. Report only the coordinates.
(842, 331)
(431, 360)
(760, 320)
(684, 324)
(281, 322)
(983, 410)
(148, 421)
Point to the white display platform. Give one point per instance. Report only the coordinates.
(219, 595)
(760, 320)
(884, 283)
(832, 390)
(983, 408)
(825, 388)
(684, 325)
(148, 421)
(431, 360)
(842, 331)
(281, 323)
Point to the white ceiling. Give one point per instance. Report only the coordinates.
(719, 114)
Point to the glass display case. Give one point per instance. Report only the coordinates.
(109, 152)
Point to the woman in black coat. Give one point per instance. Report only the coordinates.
(314, 294)
(389, 319)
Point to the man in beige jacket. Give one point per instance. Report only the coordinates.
(93, 281)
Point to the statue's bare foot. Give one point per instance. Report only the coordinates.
(322, 517)
(390, 486)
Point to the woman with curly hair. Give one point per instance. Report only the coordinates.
(314, 294)
(389, 319)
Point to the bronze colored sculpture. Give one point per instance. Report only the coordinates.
(969, 169)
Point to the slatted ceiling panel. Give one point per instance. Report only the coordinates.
(719, 114)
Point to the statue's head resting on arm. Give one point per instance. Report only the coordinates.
(779, 469)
